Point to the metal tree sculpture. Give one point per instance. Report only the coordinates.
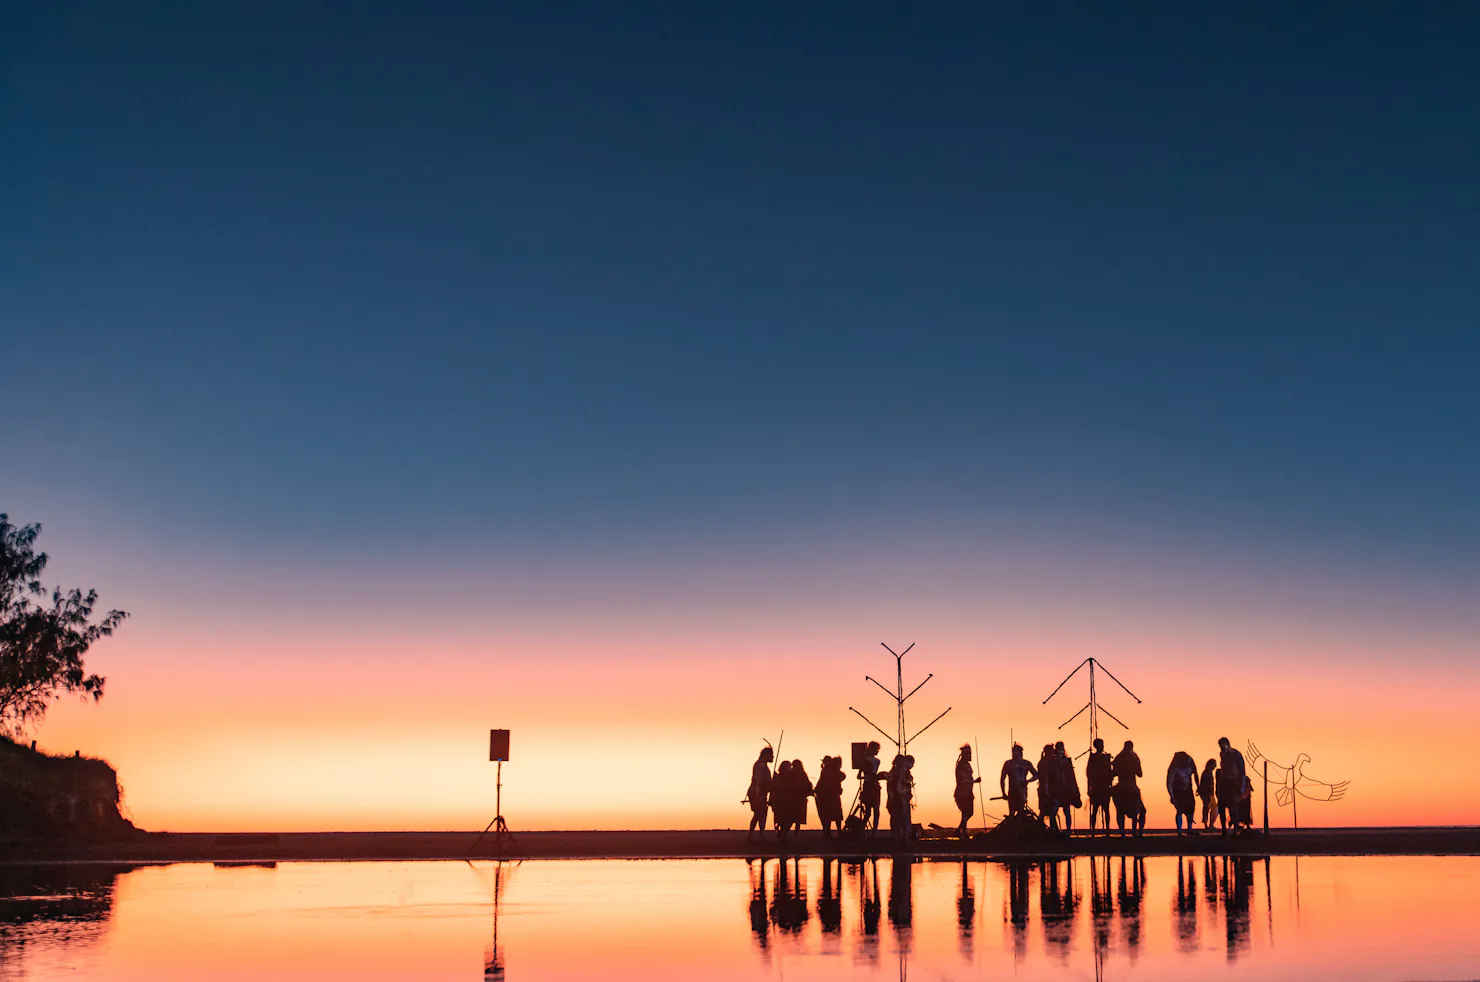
(1294, 783)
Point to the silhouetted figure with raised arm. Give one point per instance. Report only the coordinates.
(781, 800)
(1230, 783)
(1067, 790)
(829, 795)
(868, 789)
(1048, 804)
(1099, 774)
(803, 790)
(1206, 789)
(1182, 789)
(1127, 793)
(759, 794)
(1013, 782)
(966, 783)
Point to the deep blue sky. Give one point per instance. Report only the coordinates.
(461, 278)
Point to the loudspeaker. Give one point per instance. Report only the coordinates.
(860, 754)
(498, 744)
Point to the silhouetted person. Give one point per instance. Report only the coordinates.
(901, 790)
(1246, 804)
(868, 789)
(1013, 782)
(1066, 784)
(759, 794)
(781, 794)
(829, 795)
(802, 790)
(1230, 783)
(965, 788)
(1206, 789)
(1048, 804)
(1099, 774)
(1127, 793)
(1182, 788)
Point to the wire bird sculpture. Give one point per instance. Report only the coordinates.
(1294, 783)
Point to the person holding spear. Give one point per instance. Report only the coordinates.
(965, 790)
(759, 793)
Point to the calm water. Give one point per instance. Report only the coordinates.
(1349, 918)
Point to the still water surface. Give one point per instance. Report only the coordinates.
(1382, 918)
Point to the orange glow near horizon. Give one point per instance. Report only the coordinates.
(268, 733)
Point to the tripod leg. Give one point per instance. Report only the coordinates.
(483, 833)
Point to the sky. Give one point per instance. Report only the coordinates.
(625, 375)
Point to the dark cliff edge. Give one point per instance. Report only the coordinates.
(70, 798)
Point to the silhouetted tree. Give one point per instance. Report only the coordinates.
(41, 644)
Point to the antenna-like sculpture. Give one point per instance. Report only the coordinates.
(902, 738)
(1093, 706)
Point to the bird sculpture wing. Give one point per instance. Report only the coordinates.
(1278, 773)
(1315, 790)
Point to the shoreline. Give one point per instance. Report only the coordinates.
(183, 847)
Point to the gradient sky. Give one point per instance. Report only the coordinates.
(625, 375)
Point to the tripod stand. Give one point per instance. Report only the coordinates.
(501, 833)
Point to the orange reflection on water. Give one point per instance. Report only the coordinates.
(1377, 918)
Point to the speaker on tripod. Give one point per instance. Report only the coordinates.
(498, 750)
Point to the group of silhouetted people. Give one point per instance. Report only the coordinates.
(1225, 791)
(1223, 786)
(784, 795)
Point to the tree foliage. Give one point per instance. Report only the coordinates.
(42, 637)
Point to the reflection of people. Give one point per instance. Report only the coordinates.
(965, 788)
(759, 922)
(1181, 781)
(868, 790)
(1013, 782)
(1099, 774)
(901, 892)
(829, 794)
(830, 901)
(1205, 787)
(965, 908)
(789, 901)
(759, 794)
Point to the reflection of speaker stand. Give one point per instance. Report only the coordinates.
(493, 965)
(501, 833)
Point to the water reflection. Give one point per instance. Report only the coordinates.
(53, 906)
(1116, 922)
(1036, 920)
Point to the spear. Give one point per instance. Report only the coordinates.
(980, 794)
